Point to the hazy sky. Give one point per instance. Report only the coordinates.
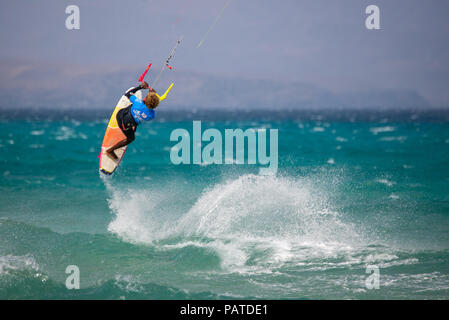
(322, 43)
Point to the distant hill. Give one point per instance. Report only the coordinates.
(24, 85)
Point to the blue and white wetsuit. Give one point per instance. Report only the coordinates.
(130, 117)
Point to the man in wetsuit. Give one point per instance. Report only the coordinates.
(130, 117)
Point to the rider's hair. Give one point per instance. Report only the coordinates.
(152, 100)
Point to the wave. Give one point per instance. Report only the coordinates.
(25, 284)
(10, 263)
(253, 223)
(40, 273)
(377, 130)
(193, 257)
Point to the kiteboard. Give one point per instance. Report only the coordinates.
(113, 135)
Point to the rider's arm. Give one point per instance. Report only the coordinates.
(133, 90)
(130, 93)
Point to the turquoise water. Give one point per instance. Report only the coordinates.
(351, 190)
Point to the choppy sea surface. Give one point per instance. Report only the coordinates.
(354, 189)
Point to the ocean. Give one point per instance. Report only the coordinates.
(357, 194)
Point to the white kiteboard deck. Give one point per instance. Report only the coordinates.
(113, 135)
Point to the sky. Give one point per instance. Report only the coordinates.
(259, 54)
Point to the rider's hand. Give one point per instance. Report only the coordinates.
(145, 85)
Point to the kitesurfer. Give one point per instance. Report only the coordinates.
(130, 117)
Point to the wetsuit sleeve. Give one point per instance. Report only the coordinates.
(132, 91)
(133, 99)
(152, 114)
